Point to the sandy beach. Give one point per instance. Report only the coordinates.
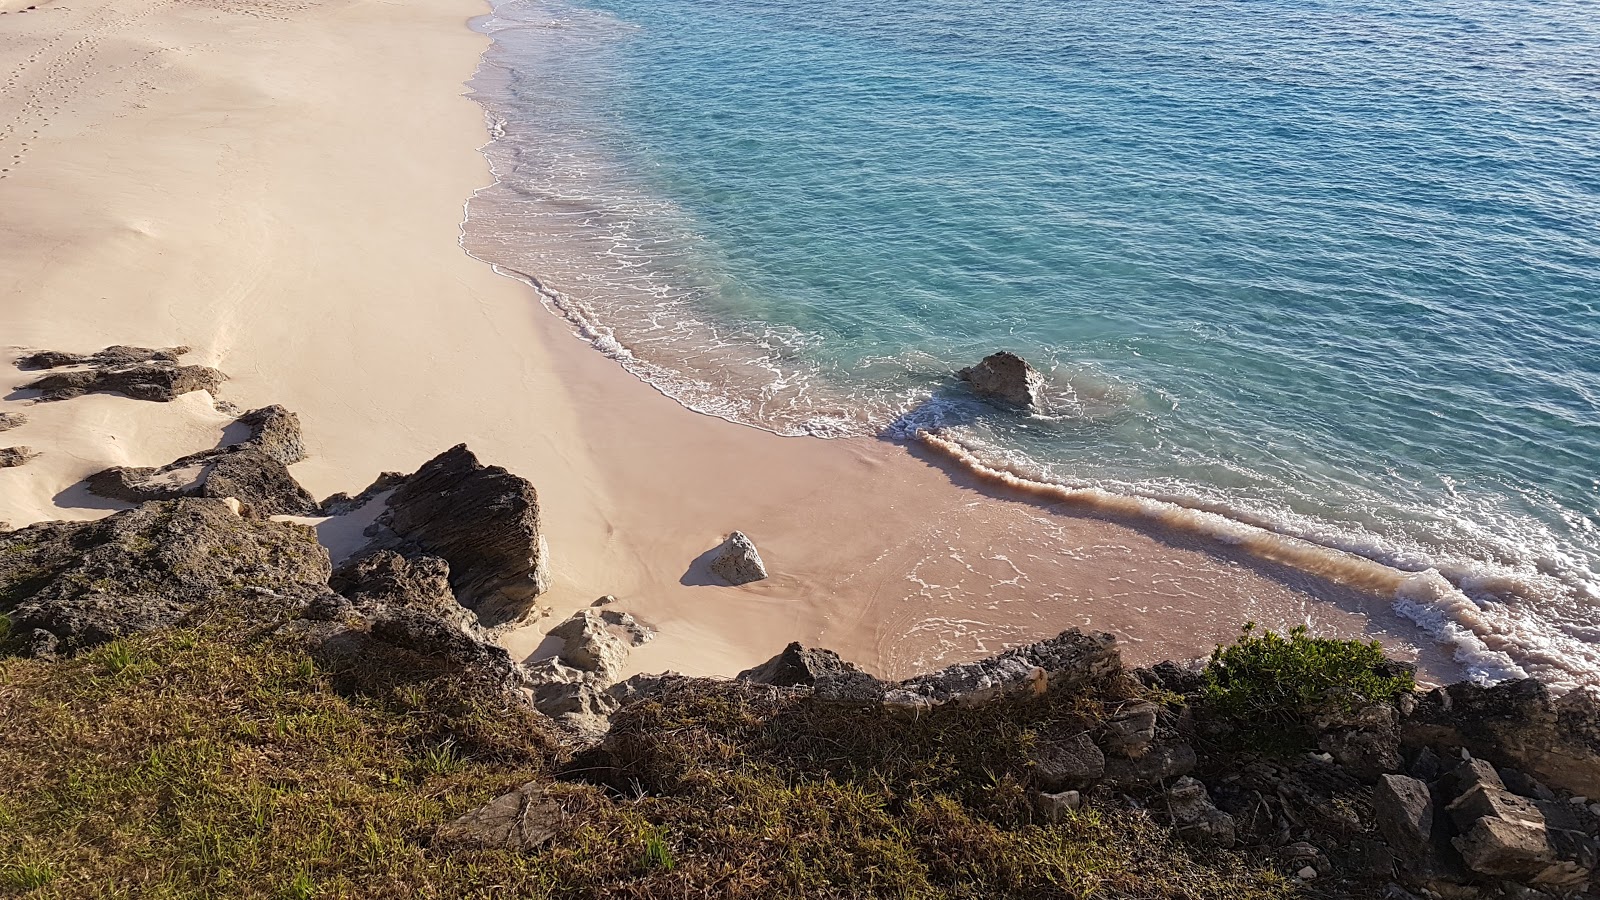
(279, 185)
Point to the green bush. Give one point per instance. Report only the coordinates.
(1286, 680)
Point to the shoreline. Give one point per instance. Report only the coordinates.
(217, 203)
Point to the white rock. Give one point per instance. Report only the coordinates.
(1306, 874)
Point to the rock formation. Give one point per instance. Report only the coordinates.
(737, 561)
(797, 665)
(573, 685)
(137, 372)
(254, 470)
(1005, 376)
(71, 585)
(481, 520)
(11, 457)
(9, 421)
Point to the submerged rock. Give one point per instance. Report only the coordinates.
(138, 372)
(11, 457)
(254, 470)
(1005, 376)
(481, 520)
(737, 561)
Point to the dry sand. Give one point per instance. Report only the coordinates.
(279, 185)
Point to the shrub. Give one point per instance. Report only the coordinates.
(1287, 680)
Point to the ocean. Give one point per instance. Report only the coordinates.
(1317, 278)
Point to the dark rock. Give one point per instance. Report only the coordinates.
(1170, 676)
(1189, 806)
(11, 457)
(1005, 376)
(1404, 809)
(484, 522)
(523, 820)
(737, 561)
(1425, 765)
(1517, 724)
(1522, 783)
(385, 578)
(9, 420)
(1129, 730)
(430, 635)
(137, 372)
(341, 503)
(1073, 762)
(1366, 741)
(1069, 659)
(797, 665)
(1160, 762)
(90, 582)
(118, 355)
(254, 471)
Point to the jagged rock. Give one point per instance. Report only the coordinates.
(11, 457)
(484, 522)
(1517, 723)
(1404, 808)
(589, 646)
(90, 582)
(1131, 728)
(1059, 806)
(118, 355)
(342, 503)
(137, 372)
(385, 578)
(797, 665)
(9, 420)
(255, 471)
(1194, 815)
(1073, 762)
(737, 561)
(431, 635)
(523, 820)
(1160, 762)
(1005, 376)
(1367, 742)
(1070, 658)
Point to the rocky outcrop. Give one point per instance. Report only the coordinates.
(797, 665)
(1007, 377)
(137, 372)
(1555, 739)
(11, 457)
(737, 561)
(481, 520)
(572, 686)
(1070, 658)
(255, 471)
(1196, 818)
(9, 420)
(84, 583)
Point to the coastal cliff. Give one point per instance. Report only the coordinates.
(198, 701)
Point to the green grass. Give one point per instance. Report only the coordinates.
(207, 763)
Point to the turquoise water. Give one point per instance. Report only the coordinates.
(1332, 269)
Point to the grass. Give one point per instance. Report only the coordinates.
(209, 763)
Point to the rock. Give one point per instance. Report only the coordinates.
(737, 561)
(1057, 807)
(797, 665)
(1005, 376)
(255, 471)
(11, 457)
(1366, 742)
(630, 630)
(1495, 846)
(484, 522)
(523, 820)
(1160, 762)
(1069, 659)
(1404, 809)
(1306, 874)
(1074, 762)
(430, 635)
(137, 372)
(384, 578)
(1196, 818)
(140, 569)
(1131, 728)
(590, 647)
(9, 420)
(341, 503)
(1518, 724)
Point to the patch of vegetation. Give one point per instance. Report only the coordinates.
(1287, 680)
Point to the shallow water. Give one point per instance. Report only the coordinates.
(1319, 279)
